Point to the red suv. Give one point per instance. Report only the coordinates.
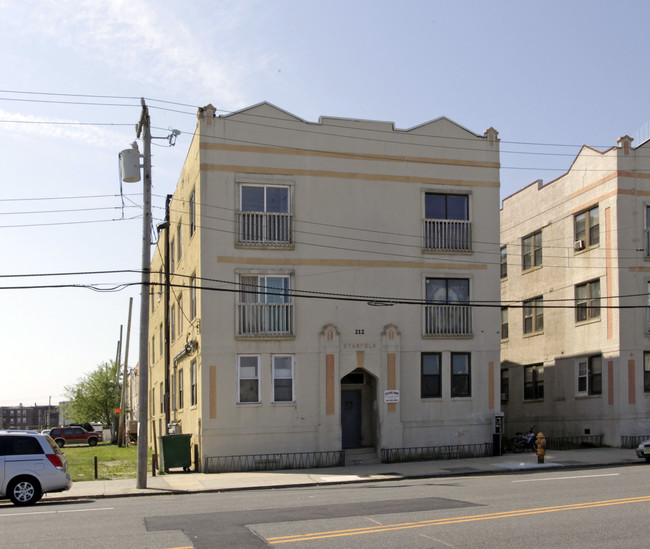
(74, 435)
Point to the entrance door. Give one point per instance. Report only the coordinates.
(351, 418)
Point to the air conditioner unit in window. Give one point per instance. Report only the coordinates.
(579, 245)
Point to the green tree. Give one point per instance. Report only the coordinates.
(95, 397)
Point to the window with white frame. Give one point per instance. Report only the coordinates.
(586, 229)
(180, 389)
(531, 251)
(192, 212)
(248, 373)
(193, 296)
(265, 307)
(193, 384)
(588, 301)
(589, 375)
(447, 312)
(283, 374)
(264, 215)
(446, 222)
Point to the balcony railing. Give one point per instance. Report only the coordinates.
(447, 320)
(265, 319)
(262, 228)
(448, 235)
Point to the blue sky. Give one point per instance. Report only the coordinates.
(549, 76)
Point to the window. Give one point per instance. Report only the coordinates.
(533, 315)
(588, 301)
(180, 389)
(589, 375)
(448, 312)
(162, 399)
(161, 339)
(504, 261)
(531, 251)
(504, 322)
(193, 296)
(430, 378)
(505, 384)
(172, 322)
(586, 229)
(283, 378)
(249, 381)
(460, 375)
(193, 391)
(264, 216)
(192, 212)
(172, 258)
(153, 348)
(265, 306)
(534, 382)
(646, 372)
(446, 222)
(179, 232)
(180, 314)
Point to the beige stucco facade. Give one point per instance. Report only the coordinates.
(312, 247)
(578, 368)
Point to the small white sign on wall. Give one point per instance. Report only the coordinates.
(391, 396)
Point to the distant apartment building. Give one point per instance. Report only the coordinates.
(322, 287)
(575, 286)
(28, 417)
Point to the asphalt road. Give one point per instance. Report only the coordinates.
(592, 508)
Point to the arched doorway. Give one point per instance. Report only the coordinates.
(358, 410)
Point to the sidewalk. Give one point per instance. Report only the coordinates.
(180, 482)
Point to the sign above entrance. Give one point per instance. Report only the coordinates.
(391, 396)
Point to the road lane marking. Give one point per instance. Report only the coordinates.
(565, 478)
(57, 512)
(454, 520)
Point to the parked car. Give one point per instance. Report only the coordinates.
(74, 435)
(31, 464)
(643, 450)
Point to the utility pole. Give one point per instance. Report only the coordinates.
(144, 128)
(168, 396)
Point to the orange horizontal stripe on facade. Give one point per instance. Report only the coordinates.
(349, 263)
(351, 156)
(348, 175)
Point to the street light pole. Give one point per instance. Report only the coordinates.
(144, 128)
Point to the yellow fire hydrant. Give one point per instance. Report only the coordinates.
(541, 447)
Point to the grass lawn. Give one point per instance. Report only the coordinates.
(113, 462)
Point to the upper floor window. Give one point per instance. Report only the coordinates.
(265, 307)
(172, 257)
(192, 212)
(504, 261)
(446, 222)
(179, 249)
(172, 323)
(193, 384)
(586, 229)
(264, 215)
(193, 310)
(534, 382)
(646, 372)
(589, 375)
(588, 301)
(647, 231)
(533, 315)
(531, 251)
(504, 322)
(447, 311)
(430, 375)
(505, 384)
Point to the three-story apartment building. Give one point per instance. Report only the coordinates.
(575, 275)
(323, 278)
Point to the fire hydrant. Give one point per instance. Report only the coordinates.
(540, 441)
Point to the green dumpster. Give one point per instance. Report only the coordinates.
(176, 451)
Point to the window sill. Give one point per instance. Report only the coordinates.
(587, 321)
(531, 269)
(585, 396)
(251, 404)
(533, 334)
(527, 400)
(586, 249)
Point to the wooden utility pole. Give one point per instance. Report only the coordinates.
(144, 128)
